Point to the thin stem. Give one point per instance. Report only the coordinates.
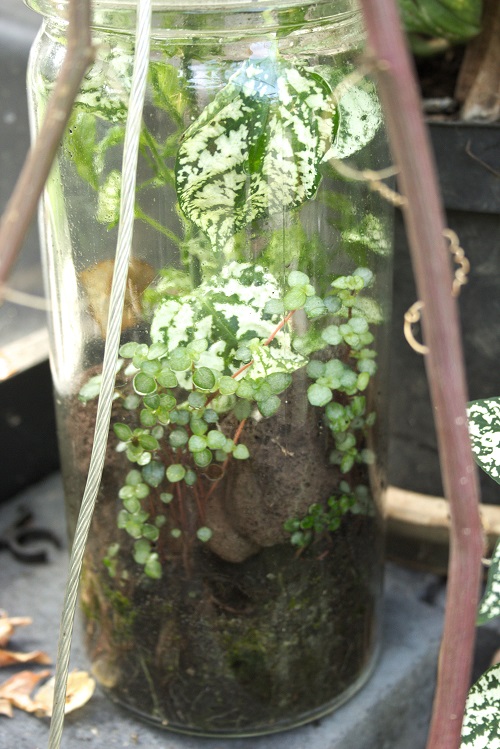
(165, 173)
(266, 342)
(425, 223)
(23, 202)
(139, 214)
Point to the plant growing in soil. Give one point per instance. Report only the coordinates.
(240, 483)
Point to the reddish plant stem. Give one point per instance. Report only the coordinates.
(424, 218)
(266, 342)
(22, 204)
(236, 438)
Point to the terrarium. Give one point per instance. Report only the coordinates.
(233, 573)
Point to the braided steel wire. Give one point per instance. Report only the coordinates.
(124, 244)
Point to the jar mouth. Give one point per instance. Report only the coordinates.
(203, 20)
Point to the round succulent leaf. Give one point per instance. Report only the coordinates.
(179, 360)
(269, 406)
(204, 534)
(227, 385)
(319, 395)
(297, 278)
(167, 379)
(197, 443)
(196, 399)
(204, 378)
(142, 550)
(133, 478)
(131, 402)
(190, 478)
(152, 568)
(279, 381)
(157, 350)
(148, 442)
(151, 367)
(175, 472)
(216, 440)
(332, 335)
(123, 432)
(150, 531)
(241, 452)
(203, 458)
(211, 416)
(295, 298)
(128, 349)
(178, 437)
(132, 504)
(144, 384)
(154, 473)
(147, 418)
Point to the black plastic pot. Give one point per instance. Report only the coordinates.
(468, 162)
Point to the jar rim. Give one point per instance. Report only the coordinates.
(180, 5)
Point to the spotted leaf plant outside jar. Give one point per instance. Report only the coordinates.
(232, 577)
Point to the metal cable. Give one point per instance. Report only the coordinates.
(124, 244)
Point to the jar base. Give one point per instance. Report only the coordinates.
(279, 727)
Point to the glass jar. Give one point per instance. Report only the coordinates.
(233, 573)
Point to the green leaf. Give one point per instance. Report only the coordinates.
(197, 443)
(227, 385)
(122, 431)
(241, 452)
(178, 437)
(144, 384)
(203, 458)
(215, 440)
(204, 534)
(175, 472)
(204, 378)
(154, 473)
(167, 379)
(80, 142)
(319, 395)
(142, 550)
(489, 608)
(152, 567)
(295, 298)
(269, 406)
(481, 723)
(484, 430)
(332, 335)
(148, 442)
(91, 389)
(250, 154)
(279, 381)
(297, 278)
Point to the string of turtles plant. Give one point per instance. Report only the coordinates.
(223, 347)
(181, 393)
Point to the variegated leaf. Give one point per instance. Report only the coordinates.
(256, 148)
(484, 430)
(489, 607)
(481, 725)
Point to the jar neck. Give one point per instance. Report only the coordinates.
(223, 18)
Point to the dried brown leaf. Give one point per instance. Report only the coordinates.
(6, 708)
(8, 624)
(10, 657)
(18, 688)
(79, 690)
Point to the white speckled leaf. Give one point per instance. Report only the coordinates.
(256, 148)
(484, 430)
(489, 607)
(481, 726)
